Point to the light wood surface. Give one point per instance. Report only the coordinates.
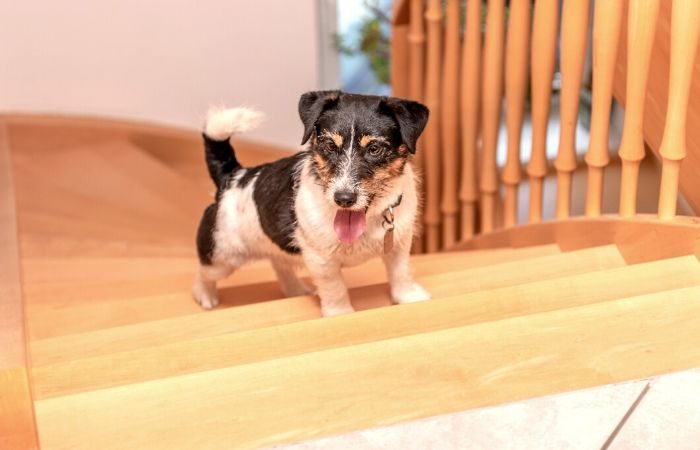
(545, 28)
(432, 138)
(469, 114)
(685, 32)
(17, 426)
(416, 40)
(225, 350)
(641, 27)
(477, 365)
(492, 89)
(607, 21)
(450, 124)
(118, 348)
(516, 86)
(574, 38)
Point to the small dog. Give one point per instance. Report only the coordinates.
(349, 197)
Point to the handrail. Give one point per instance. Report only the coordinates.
(451, 186)
(17, 423)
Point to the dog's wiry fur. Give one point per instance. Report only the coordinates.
(358, 161)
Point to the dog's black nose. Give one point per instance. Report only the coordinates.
(345, 198)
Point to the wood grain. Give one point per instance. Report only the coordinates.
(227, 350)
(310, 395)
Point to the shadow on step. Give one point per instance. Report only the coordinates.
(362, 297)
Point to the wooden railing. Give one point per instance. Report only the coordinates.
(464, 84)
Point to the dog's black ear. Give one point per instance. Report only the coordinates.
(411, 116)
(311, 105)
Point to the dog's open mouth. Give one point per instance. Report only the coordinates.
(349, 225)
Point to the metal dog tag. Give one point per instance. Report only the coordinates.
(389, 240)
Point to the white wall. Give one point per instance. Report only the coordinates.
(160, 60)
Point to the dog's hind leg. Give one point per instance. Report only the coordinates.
(290, 283)
(204, 288)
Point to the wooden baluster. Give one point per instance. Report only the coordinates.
(517, 43)
(685, 29)
(416, 38)
(491, 111)
(471, 65)
(543, 56)
(606, 35)
(433, 16)
(641, 25)
(574, 25)
(450, 125)
(399, 52)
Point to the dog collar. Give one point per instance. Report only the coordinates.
(388, 225)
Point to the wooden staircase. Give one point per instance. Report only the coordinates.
(119, 356)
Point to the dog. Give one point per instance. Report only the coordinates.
(350, 196)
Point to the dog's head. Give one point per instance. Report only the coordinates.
(359, 145)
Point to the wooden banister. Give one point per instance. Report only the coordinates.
(17, 423)
(685, 30)
(607, 22)
(450, 125)
(471, 66)
(543, 56)
(641, 25)
(416, 39)
(492, 88)
(517, 44)
(433, 16)
(573, 54)
(399, 49)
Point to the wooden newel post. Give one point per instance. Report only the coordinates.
(607, 22)
(574, 25)
(416, 39)
(470, 101)
(492, 88)
(517, 42)
(543, 56)
(685, 29)
(433, 16)
(450, 125)
(641, 21)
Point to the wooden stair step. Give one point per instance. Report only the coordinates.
(102, 368)
(58, 308)
(104, 340)
(112, 190)
(387, 381)
(40, 245)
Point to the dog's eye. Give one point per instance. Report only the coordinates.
(374, 150)
(327, 145)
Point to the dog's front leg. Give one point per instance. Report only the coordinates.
(404, 288)
(330, 285)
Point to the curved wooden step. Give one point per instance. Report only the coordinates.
(386, 381)
(274, 313)
(58, 308)
(77, 373)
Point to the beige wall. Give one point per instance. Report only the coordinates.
(160, 61)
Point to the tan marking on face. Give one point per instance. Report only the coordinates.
(322, 169)
(337, 138)
(381, 176)
(367, 138)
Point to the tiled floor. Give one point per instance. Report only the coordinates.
(667, 417)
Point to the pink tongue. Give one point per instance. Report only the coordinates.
(349, 225)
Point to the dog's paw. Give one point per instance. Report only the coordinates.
(203, 298)
(409, 293)
(336, 310)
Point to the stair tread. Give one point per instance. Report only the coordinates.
(96, 365)
(56, 307)
(200, 324)
(308, 395)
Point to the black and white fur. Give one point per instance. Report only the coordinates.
(285, 210)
